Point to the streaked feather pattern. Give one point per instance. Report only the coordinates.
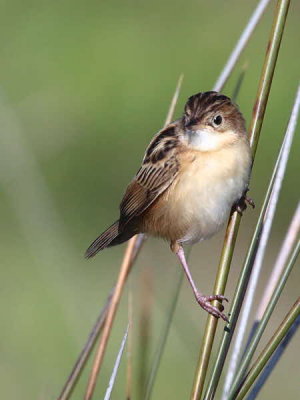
(159, 169)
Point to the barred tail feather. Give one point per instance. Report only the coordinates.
(110, 237)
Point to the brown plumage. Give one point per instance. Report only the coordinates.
(192, 173)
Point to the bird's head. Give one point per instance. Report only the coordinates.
(212, 121)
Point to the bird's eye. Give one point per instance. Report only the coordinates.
(217, 120)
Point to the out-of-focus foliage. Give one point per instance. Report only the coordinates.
(83, 87)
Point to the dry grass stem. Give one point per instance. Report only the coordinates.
(174, 101)
(124, 270)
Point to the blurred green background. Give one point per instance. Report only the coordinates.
(83, 88)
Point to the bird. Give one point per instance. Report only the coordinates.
(195, 171)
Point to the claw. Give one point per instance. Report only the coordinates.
(204, 302)
(241, 205)
(250, 201)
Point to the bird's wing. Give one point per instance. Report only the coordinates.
(159, 169)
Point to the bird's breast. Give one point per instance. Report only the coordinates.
(199, 201)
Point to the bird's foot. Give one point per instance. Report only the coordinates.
(204, 302)
(241, 205)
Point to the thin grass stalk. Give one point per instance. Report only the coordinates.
(241, 44)
(116, 366)
(129, 346)
(268, 350)
(146, 307)
(271, 364)
(174, 101)
(286, 248)
(234, 222)
(131, 253)
(256, 265)
(263, 323)
(211, 325)
(239, 83)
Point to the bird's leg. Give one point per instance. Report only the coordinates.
(203, 300)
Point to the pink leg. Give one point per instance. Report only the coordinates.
(203, 300)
